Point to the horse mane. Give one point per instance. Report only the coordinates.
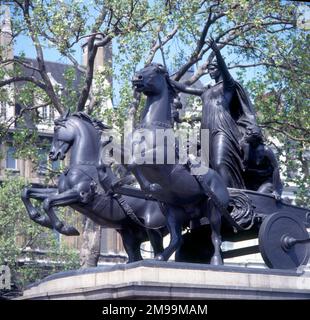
(99, 125)
(171, 90)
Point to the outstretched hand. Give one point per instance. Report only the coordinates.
(212, 44)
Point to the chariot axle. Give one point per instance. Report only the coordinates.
(287, 242)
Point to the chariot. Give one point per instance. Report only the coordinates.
(281, 229)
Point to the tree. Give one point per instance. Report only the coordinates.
(21, 241)
(141, 31)
(282, 101)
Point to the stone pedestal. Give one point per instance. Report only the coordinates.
(170, 280)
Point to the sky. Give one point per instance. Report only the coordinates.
(25, 45)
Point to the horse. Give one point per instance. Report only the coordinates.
(173, 184)
(83, 186)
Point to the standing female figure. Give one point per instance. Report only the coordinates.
(227, 111)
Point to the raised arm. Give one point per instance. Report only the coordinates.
(179, 86)
(226, 76)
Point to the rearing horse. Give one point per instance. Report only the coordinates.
(79, 187)
(173, 183)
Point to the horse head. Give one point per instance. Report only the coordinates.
(63, 137)
(151, 79)
(79, 128)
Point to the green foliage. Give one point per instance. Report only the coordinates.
(70, 95)
(281, 95)
(21, 240)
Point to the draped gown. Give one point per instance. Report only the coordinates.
(224, 134)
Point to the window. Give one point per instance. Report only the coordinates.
(42, 165)
(11, 162)
(51, 114)
(48, 114)
(44, 112)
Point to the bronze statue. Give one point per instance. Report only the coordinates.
(170, 196)
(261, 170)
(173, 184)
(283, 240)
(79, 188)
(226, 112)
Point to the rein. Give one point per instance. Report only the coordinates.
(119, 198)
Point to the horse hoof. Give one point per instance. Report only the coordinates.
(44, 221)
(35, 215)
(69, 231)
(133, 260)
(217, 261)
(160, 257)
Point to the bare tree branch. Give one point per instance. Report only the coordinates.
(199, 45)
(91, 55)
(231, 34)
(251, 65)
(303, 139)
(23, 78)
(287, 124)
(19, 61)
(156, 46)
(40, 58)
(75, 63)
(13, 119)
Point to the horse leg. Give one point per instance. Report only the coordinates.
(38, 194)
(131, 244)
(156, 240)
(174, 217)
(214, 183)
(62, 199)
(214, 217)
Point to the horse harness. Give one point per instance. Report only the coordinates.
(118, 197)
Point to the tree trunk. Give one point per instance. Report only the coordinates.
(90, 250)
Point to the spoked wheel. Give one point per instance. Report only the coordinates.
(284, 241)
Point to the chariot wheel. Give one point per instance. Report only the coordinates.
(284, 242)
